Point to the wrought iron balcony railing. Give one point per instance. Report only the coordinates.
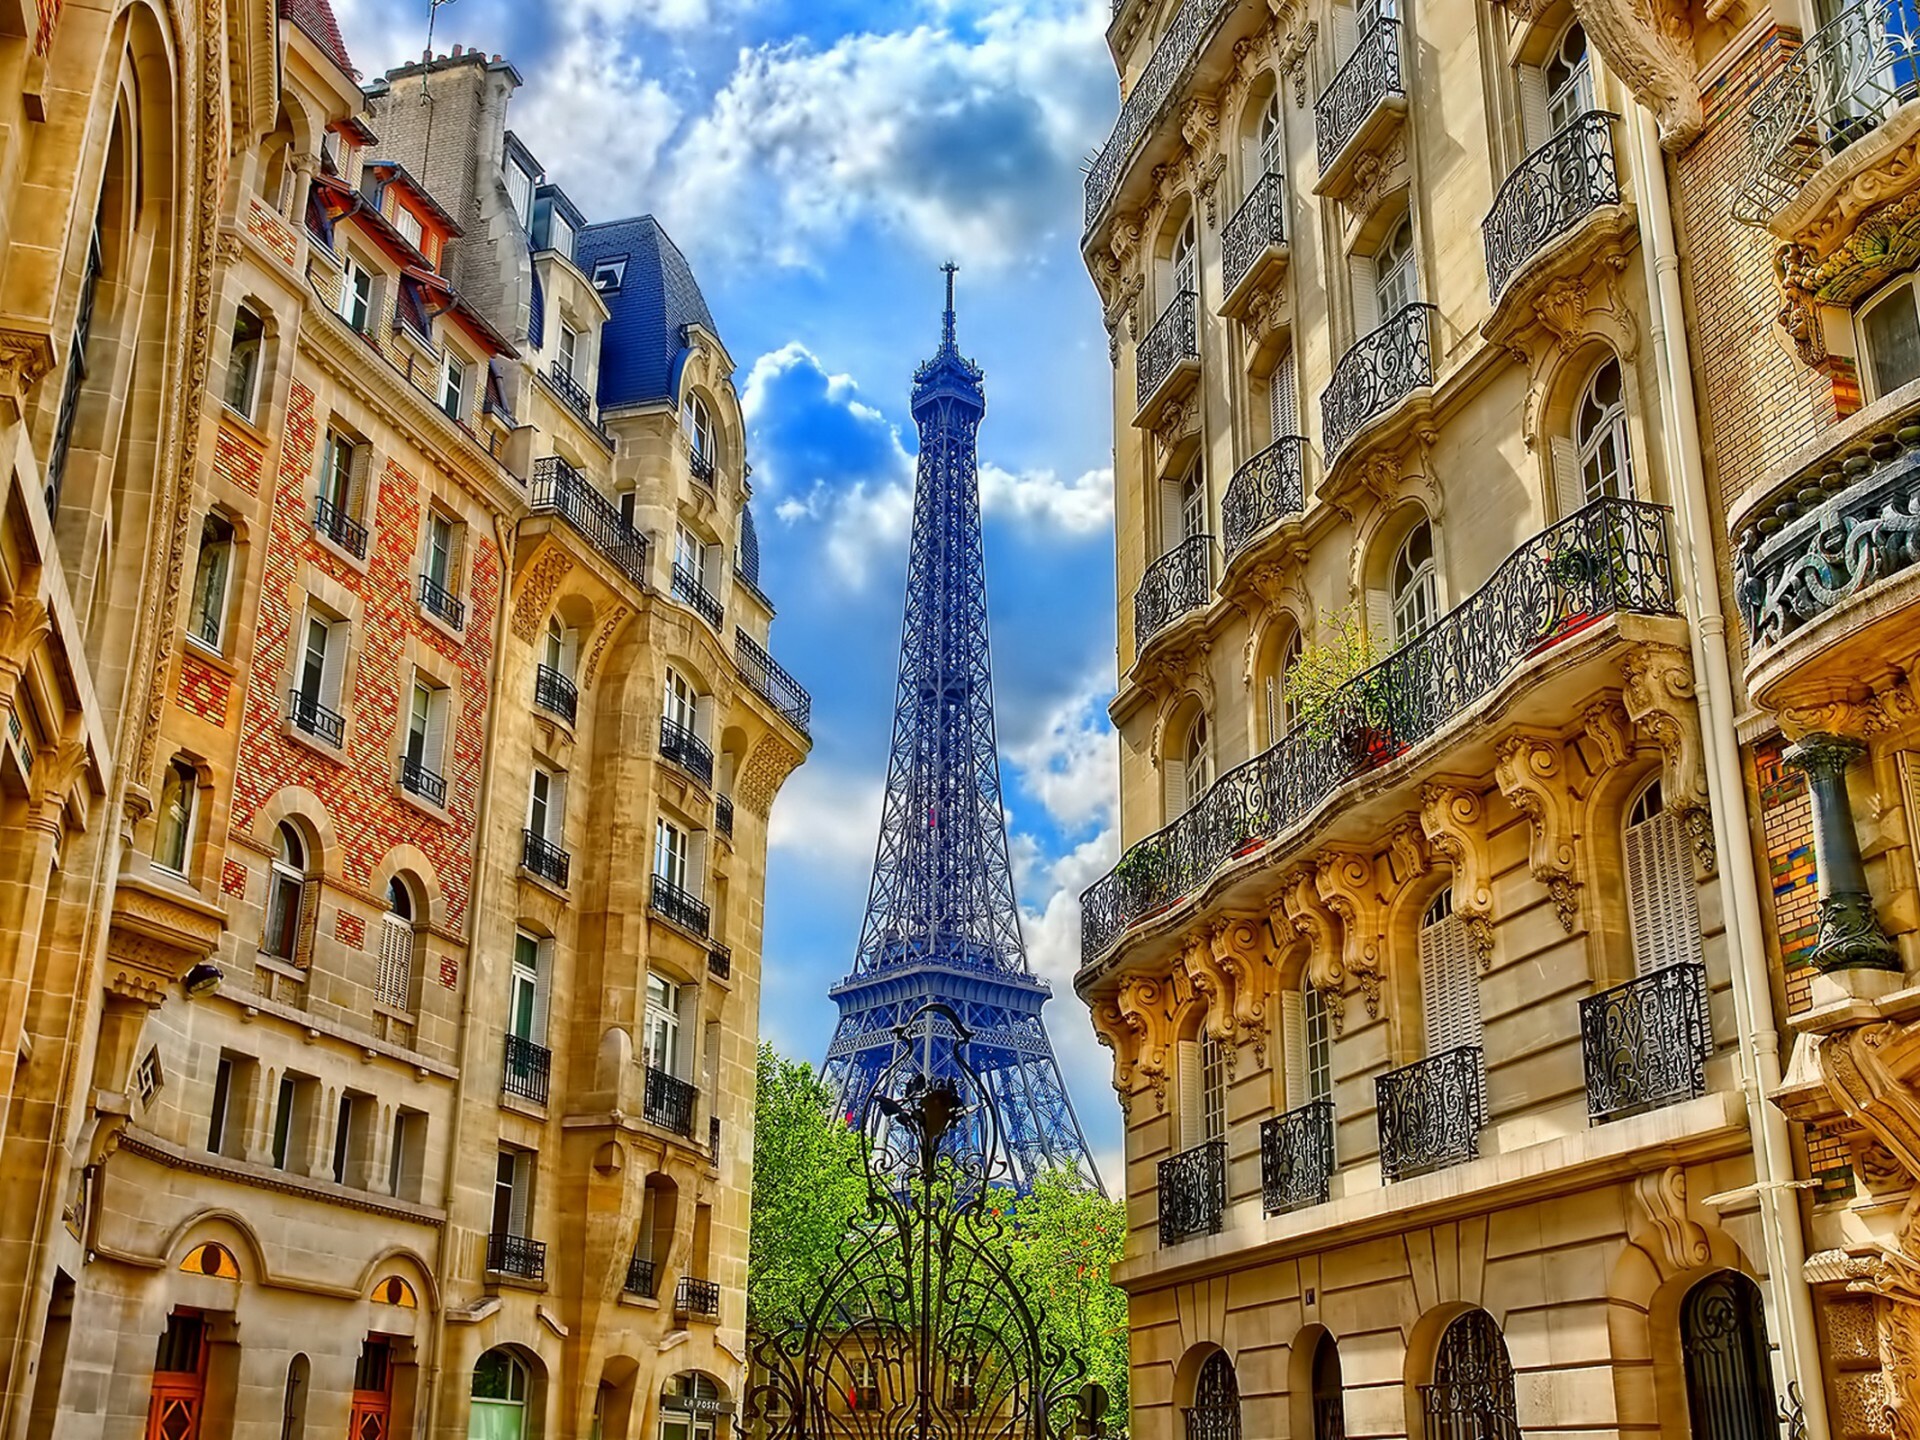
(417, 779)
(436, 599)
(669, 1102)
(669, 900)
(1550, 192)
(1609, 557)
(516, 1255)
(1296, 1157)
(640, 1277)
(687, 750)
(1175, 337)
(555, 693)
(1830, 533)
(528, 1069)
(689, 587)
(720, 961)
(771, 683)
(1368, 77)
(1260, 224)
(1269, 487)
(1431, 1112)
(1383, 368)
(1178, 583)
(1646, 1042)
(544, 858)
(341, 528)
(309, 715)
(723, 815)
(1165, 73)
(1842, 84)
(713, 1138)
(697, 1297)
(571, 391)
(559, 489)
(700, 466)
(1193, 1192)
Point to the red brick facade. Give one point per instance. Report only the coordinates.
(238, 460)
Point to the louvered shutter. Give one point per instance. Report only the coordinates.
(1176, 781)
(1450, 986)
(696, 881)
(1187, 1057)
(395, 976)
(1283, 397)
(1661, 895)
(434, 750)
(1172, 516)
(333, 666)
(309, 923)
(1346, 31)
(1569, 488)
(570, 652)
(1364, 276)
(521, 1209)
(557, 810)
(359, 468)
(1380, 617)
(1293, 1032)
(456, 559)
(542, 985)
(1533, 107)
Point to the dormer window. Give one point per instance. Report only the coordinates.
(356, 295)
(520, 192)
(453, 385)
(698, 424)
(559, 233)
(609, 275)
(408, 224)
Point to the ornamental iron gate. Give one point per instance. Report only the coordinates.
(1723, 1339)
(919, 1330)
(1215, 1412)
(1471, 1397)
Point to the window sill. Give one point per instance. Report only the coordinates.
(500, 1279)
(520, 1105)
(336, 753)
(422, 804)
(559, 892)
(455, 633)
(639, 1302)
(211, 654)
(334, 547)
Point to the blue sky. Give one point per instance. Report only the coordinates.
(816, 160)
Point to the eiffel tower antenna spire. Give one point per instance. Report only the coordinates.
(941, 921)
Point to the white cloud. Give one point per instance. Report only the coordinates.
(1072, 764)
(1082, 506)
(827, 820)
(1052, 934)
(597, 120)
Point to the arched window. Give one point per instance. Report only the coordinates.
(1186, 259)
(1600, 435)
(698, 423)
(1215, 1412)
(1889, 326)
(1723, 1339)
(1308, 1045)
(1272, 139)
(1662, 899)
(1411, 586)
(1281, 707)
(1449, 978)
(393, 985)
(1329, 1409)
(1396, 278)
(501, 1387)
(176, 813)
(293, 1400)
(287, 890)
(1192, 769)
(1471, 1397)
(1568, 79)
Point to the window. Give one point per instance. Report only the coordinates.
(1663, 902)
(691, 554)
(559, 232)
(1724, 1347)
(512, 1191)
(407, 1160)
(1396, 282)
(341, 495)
(1473, 1375)
(321, 672)
(520, 192)
(663, 1025)
(681, 706)
(499, 1397)
(1196, 762)
(1411, 587)
(1449, 977)
(179, 800)
(426, 744)
(356, 295)
(1193, 505)
(1283, 398)
(393, 982)
(76, 367)
(1890, 338)
(609, 275)
(243, 360)
(569, 349)
(453, 385)
(1213, 1089)
(1186, 260)
(1600, 433)
(1568, 79)
(1283, 705)
(547, 804)
(222, 1099)
(283, 1122)
(293, 1116)
(207, 620)
(444, 537)
(670, 853)
(1272, 139)
(408, 224)
(342, 1138)
(698, 425)
(287, 884)
(1215, 1412)
(562, 648)
(1317, 1034)
(527, 988)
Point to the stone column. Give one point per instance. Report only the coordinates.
(1850, 934)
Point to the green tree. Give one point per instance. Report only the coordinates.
(808, 1189)
(1064, 1242)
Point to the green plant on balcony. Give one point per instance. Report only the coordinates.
(1339, 695)
(1138, 872)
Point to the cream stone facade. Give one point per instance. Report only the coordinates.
(391, 794)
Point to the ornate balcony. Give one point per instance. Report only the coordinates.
(1178, 583)
(687, 750)
(669, 1102)
(417, 779)
(1610, 557)
(1263, 492)
(1193, 1192)
(341, 528)
(1169, 355)
(669, 900)
(555, 693)
(771, 683)
(437, 599)
(697, 1298)
(640, 1278)
(1431, 1112)
(527, 1071)
(1826, 116)
(1548, 195)
(1253, 247)
(1383, 368)
(1364, 93)
(723, 815)
(516, 1255)
(689, 587)
(1296, 1158)
(311, 717)
(544, 858)
(559, 489)
(1164, 76)
(1646, 1042)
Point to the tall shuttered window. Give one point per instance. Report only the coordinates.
(1662, 899)
(1449, 978)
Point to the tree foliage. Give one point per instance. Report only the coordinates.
(1065, 1242)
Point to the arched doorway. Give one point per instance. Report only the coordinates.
(1723, 1342)
(1471, 1397)
(179, 1379)
(691, 1407)
(1329, 1410)
(372, 1416)
(1215, 1412)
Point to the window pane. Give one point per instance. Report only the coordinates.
(1893, 341)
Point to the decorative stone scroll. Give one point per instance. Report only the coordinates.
(1454, 819)
(1532, 777)
(1307, 916)
(1348, 884)
(1659, 699)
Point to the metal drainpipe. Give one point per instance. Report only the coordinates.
(1779, 1203)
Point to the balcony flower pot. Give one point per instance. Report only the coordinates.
(1138, 877)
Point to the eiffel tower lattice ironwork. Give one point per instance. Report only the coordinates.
(941, 923)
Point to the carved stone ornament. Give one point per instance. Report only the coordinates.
(1143, 1007)
(1304, 913)
(1454, 818)
(1241, 949)
(542, 582)
(1661, 1199)
(1348, 884)
(1531, 775)
(26, 357)
(1376, 174)
(1649, 44)
(765, 770)
(1882, 243)
(1215, 989)
(1659, 698)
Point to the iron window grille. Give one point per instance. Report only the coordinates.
(1193, 1192)
(1215, 1412)
(1384, 366)
(713, 1138)
(1472, 1395)
(1431, 1112)
(640, 1277)
(559, 489)
(1646, 1042)
(720, 961)
(310, 716)
(441, 601)
(1175, 337)
(529, 1068)
(723, 815)
(699, 1298)
(1178, 583)
(1368, 77)
(1259, 225)
(772, 683)
(1296, 1158)
(1264, 491)
(687, 750)
(516, 1255)
(341, 528)
(688, 586)
(1549, 193)
(668, 900)
(700, 465)
(669, 1101)
(555, 693)
(544, 858)
(417, 779)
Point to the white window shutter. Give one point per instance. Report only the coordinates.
(1283, 397)
(357, 483)
(703, 717)
(1175, 771)
(1187, 1058)
(1380, 616)
(570, 652)
(394, 984)
(1364, 276)
(1662, 899)
(1172, 517)
(333, 669)
(557, 811)
(434, 753)
(1569, 489)
(542, 986)
(1293, 1046)
(696, 882)
(1346, 32)
(1533, 107)
(1449, 985)
(521, 1211)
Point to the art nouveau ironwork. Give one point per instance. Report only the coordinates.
(1384, 367)
(1174, 337)
(1259, 225)
(1215, 1412)
(1178, 583)
(1723, 1341)
(1472, 1394)
(919, 1330)
(1296, 1157)
(1269, 487)
(1610, 556)
(559, 489)
(1646, 1042)
(1431, 1112)
(1549, 193)
(1193, 1192)
(1369, 75)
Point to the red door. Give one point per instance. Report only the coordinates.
(372, 1416)
(179, 1380)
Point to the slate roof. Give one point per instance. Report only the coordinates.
(315, 18)
(643, 344)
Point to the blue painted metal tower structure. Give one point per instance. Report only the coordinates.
(941, 923)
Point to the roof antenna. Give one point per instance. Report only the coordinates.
(946, 326)
(426, 69)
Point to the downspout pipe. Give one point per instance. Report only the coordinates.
(1694, 538)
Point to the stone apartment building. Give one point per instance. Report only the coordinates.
(427, 936)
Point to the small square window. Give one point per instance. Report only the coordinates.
(1890, 336)
(453, 385)
(609, 275)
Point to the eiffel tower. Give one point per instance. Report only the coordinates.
(941, 922)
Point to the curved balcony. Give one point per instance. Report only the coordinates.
(1253, 246)
(767, 679)
(1831, 112)
(559, 489)
(1263, 492)
(1548, 195)
(679, 744)
(1608, 558)
(1178, 583)
(1383, 368)
(1366, 95)
(1167, 357)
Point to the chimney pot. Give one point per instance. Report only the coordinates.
(456, 52)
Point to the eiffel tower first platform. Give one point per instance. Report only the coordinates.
(941, 923)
